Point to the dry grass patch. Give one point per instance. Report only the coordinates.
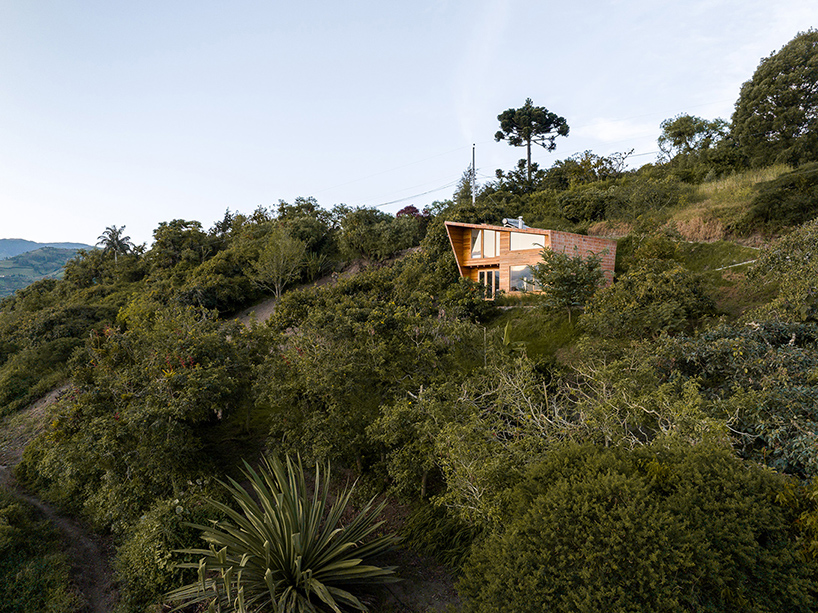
(718, 205)
(610, 229)
(19, 429)
(705, 229)
(737, 189)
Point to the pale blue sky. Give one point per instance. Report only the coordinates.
(132, 113)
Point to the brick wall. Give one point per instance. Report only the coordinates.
(561, 242)
(565, 242)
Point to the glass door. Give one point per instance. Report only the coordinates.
(491, 279)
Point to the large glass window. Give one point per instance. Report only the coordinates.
(490, 240)
(521, 241)
(491, 279)
(521, 279)
(485, 243)
(477, 243)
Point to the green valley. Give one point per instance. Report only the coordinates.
(18, 271)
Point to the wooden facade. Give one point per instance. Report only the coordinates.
(501, 257)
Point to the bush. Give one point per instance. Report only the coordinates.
(791, 263)
(588, 203)
(146, 562)
(568, 281)
(33, 372)
(760, 380)
(137, 423)
(656, 297)
(374, 235)
(655, 529)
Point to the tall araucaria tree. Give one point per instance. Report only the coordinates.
(531, 124)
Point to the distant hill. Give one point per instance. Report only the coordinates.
(32, 265)
(9, 247)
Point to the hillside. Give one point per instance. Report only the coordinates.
(10, 247)
(250, 413)
(696, 367)
(21, 270)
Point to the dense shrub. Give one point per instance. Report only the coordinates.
(654, 529)
(791, 264)
(374, 235)
(147, 558)
(655, 297)
(321, 404)
(34, 371)
(135, 425)
(221, 283)
(760, 380)
(588, 202)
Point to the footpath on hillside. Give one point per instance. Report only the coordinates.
(90, 554)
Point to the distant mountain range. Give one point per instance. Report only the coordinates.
(23, 262)
(9, 247)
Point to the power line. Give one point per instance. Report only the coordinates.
(431, 191)
(450, 151)
(383, 172)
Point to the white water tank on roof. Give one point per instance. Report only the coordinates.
(514, 223)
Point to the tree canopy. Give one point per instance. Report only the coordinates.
(569, 281)
(113, 241)
(688, 134)
(531, 124)
(776, 116)
(281, 260)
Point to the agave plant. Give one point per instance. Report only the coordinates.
(284, 549)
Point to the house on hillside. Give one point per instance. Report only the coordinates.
(501, 257)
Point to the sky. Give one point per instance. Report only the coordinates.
(117, 113)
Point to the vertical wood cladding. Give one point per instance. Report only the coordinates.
(561, 242)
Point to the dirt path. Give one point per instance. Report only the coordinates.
(90, 555)
(262, 311)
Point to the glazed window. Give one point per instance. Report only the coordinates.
(490, 240)
(521, 279)
(491, 279)
(477, 243)
(521, 241)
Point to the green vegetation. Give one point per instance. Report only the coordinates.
(531, 124)
(571, 280)
(650, 444)
(35, 572)
(22, 270)
(656, 529)
(285, 548)
(789, 200)
(775, 117)
(654, 297)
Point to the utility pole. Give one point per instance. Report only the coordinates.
(473, 177)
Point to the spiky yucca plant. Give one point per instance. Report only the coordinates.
(284, 550)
